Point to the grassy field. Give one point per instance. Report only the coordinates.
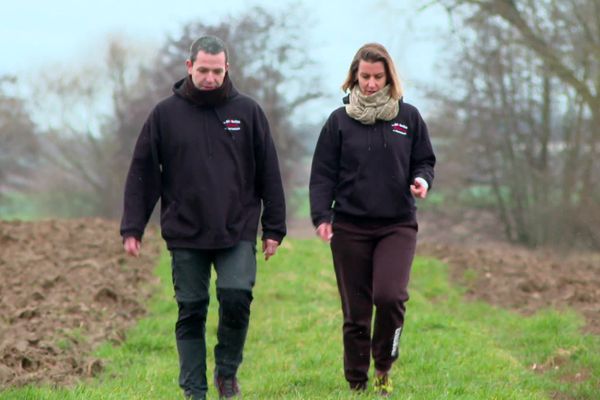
(451, 349)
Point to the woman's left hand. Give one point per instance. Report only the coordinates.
(418, 189)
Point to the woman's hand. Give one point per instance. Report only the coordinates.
(418, 189)
(325, 231)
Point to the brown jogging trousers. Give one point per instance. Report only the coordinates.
(372, 262)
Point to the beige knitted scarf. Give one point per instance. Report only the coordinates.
(368, 109)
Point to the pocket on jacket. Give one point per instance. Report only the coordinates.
(180, 221)
(379, 191)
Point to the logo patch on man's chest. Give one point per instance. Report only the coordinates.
(400, 129)
(232, 125)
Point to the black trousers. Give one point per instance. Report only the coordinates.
(372, 266)
(236, 274)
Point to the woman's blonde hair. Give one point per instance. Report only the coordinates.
(374, 52)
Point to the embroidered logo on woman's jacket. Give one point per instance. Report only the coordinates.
(400, 128)
(232, 125)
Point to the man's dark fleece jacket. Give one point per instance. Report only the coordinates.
(210, 158)
(363, 172)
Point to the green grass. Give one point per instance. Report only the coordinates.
(451, 349)
(300, 203)
(16, 205)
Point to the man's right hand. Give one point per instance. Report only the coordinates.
(132, 246)
(325, 231)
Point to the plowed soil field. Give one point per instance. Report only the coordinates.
(65, 287)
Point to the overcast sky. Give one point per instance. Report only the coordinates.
(37, 34)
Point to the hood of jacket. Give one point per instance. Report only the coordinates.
(186, 89)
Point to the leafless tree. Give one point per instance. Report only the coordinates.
(528, 90)
(19, 146)
(82, 158)
(88, 146)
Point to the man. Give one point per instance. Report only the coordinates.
(207, 153)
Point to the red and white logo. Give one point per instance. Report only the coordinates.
(232, 125)
(400, 129)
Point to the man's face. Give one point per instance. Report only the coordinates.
(207, 70)
(371, 77)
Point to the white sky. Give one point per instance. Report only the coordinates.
(39, 34)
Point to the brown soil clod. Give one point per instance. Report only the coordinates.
(94, 367)
(106, 295)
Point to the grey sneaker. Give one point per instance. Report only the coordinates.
(227, 387)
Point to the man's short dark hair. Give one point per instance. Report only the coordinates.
(208, 44)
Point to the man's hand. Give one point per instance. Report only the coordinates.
(325, 231)
(418, 189)
(269, 248)
(132, 246)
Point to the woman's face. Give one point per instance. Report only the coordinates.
(371, 77)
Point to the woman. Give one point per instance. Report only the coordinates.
(373, 155)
